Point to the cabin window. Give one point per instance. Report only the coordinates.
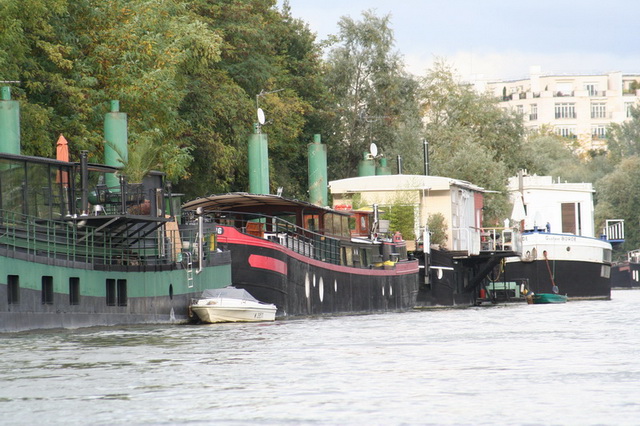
(347, 256)
(12, 186)
(365, 256)
(47, 290)
(111, 292)
(74, 291)
(13, 289)
(122, 293)
(311, 222)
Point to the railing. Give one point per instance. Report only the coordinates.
(69, 241)
(500, 239)
(613, 230)
(306, 242)
(466, 239)
(126, 198)
(476, 240)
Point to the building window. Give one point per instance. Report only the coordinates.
(47, 290)
(520, 109)
(565, 110)
(566, 131)
(627, 109)
(533, 114)
(111, 292)
(592, 89)
(564, 89)
(74, 291)
(13, 289)
(598, 110)
(599, 131)
(122, 293)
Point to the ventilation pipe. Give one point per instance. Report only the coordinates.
(367, 166)
(115, 136)
(258, 162)
(383, 168)
(9, 123)
(426, 157)
(318, 193)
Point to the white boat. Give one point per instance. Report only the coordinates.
(231, 304)
(560, 250)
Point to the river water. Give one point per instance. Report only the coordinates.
(577, 363)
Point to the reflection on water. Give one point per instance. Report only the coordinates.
(575, 363)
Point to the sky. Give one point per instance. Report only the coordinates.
(498, 39)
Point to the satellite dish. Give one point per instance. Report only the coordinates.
(373, 149)
(260, 116)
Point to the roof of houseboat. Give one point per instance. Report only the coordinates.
(255, 203)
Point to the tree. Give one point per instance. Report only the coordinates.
(373, 96)
(619, 198)
(263, 50)
(437, 225)
(624, 139)
(471, 137)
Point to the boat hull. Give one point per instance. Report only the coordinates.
(578, 266)
(154, 294)
(547, 298)
(214, 314)
(625, 275)
(300, 286)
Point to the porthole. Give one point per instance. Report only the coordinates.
(307, 285)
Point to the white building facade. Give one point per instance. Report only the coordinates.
(573, 106)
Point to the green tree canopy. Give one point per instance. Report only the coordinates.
(471, 137)
(375, 100)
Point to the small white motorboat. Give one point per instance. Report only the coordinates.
(231, 304)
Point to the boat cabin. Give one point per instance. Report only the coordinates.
(459, 202)
(314, 231)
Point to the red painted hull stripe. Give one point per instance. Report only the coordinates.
(268, 263)
(232, 236)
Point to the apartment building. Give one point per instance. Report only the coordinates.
(574, 106)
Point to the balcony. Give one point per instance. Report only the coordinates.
(566, 115)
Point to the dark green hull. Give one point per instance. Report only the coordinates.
(544, 298)
(154, 295)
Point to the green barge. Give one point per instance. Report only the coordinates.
(80, 246)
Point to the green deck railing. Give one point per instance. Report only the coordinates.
(65, 240)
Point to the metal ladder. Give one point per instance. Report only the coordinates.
(189, 269)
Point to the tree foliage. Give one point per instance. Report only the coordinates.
(619, 198)
(191, 73)
(470, 137)
(375, 100)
